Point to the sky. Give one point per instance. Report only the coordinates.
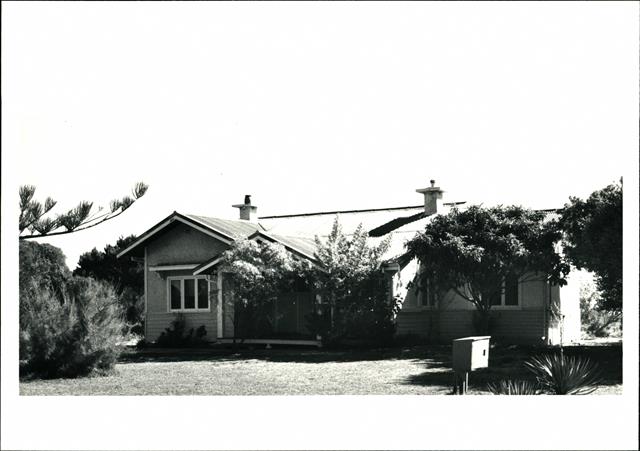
(313, 106)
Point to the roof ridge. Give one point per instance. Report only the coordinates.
(319, 213)
(240, 221)
(365, 210)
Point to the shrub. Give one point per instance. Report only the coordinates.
(80, 336)
(595, 321)
(565, 375)
(514, 387)
(42, 269)
(174, 336)
(355, 293)
(124, 274)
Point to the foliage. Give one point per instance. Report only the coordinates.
(347, 275)
(42, 268)
(565, 375)
(125, 275)
(473, 251)
(514, 387)
(78, 337)
(352, 287)
(33, 214)
(593, 235)
(175, 337)
(256, 273)
(596, 322)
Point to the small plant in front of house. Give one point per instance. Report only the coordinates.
(175, 336)
(565, 375)
(514, 387)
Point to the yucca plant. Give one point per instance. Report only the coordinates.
(565, 375)
(511, 387)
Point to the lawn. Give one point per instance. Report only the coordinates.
(417, 370)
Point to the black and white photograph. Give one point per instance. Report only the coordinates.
(320, 225)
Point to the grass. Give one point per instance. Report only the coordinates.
(417, 370)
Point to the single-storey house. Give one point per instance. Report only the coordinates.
(181, 254)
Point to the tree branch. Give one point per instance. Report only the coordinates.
(64, 232)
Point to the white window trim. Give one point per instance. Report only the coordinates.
(171, 267)
(182, 309)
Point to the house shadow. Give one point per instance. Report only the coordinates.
(508, 363)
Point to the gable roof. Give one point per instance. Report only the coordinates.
(225, 230)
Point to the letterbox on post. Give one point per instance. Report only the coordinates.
(469, 353)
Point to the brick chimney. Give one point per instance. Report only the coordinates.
(432, 198)
(248, 212)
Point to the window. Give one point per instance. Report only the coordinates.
(511, 290)
(509, 296)
(190, 294)
(427, 293)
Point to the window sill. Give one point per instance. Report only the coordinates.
(506, 307)
(418, 309)
(191, 311)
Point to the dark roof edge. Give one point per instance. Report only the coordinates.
(411, 207)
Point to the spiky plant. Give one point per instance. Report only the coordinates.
(565, 375)
(514, 387)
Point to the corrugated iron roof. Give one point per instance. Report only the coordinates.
(236, 229)
(400, 223)
(306, 245)
(299, 231)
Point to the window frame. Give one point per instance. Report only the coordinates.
(427, 294)
(503, 297)
(182, 292)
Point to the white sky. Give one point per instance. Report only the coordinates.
(309, 107)
(313, 106)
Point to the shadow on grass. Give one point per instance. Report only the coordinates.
(505, 362)
(439, 355)
(508, 363)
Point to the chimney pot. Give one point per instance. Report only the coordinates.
(247, 199)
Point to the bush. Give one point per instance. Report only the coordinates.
(174, 336)
(565, 375)
(77, 337)
(595, 321)
(42, 269)
(511, 387)
(124, 274)
(354, 291)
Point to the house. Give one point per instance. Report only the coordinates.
(181, 256)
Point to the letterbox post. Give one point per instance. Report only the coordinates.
(468, 354)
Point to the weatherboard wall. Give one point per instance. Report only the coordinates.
(524, 323)
(178, 246)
